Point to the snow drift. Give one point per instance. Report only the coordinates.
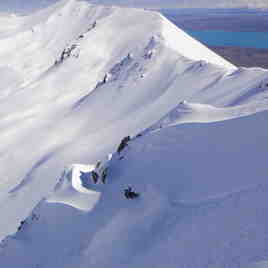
(197, 182)
(71, 190)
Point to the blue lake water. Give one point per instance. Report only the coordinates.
(238, 39)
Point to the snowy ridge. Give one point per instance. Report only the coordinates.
(187, 112)
(178, 40)
(75, 83)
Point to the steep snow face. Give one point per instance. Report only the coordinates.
(202, 204)
(78, 78)
(74, 83)
(181, 42)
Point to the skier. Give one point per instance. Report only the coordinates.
(129, 194)
(127, 191)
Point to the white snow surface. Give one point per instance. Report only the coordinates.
(71, 190)
(76, 79)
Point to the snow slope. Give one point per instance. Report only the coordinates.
(203, 206)
(74, 84)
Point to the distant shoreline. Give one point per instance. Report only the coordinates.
(230, 20)
(219, 20)
(245, 57)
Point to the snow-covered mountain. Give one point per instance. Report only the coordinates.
(78, 78)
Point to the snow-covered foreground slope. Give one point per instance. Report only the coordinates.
(203, 203)
(77, 79)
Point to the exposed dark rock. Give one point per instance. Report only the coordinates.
(123, 144)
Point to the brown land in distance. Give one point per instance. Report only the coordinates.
(245, 57)
(244, 22)
(235, 22)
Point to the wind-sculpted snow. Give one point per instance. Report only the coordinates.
(208, 187)
(77, 81)
(187, 112)
(71, 191)
(79, 185)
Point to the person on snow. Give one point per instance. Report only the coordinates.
(129, 194)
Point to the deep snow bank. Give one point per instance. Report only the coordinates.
(79, 184)
(187, 112)
(202, 204)
(74, 83)
(71, 190)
